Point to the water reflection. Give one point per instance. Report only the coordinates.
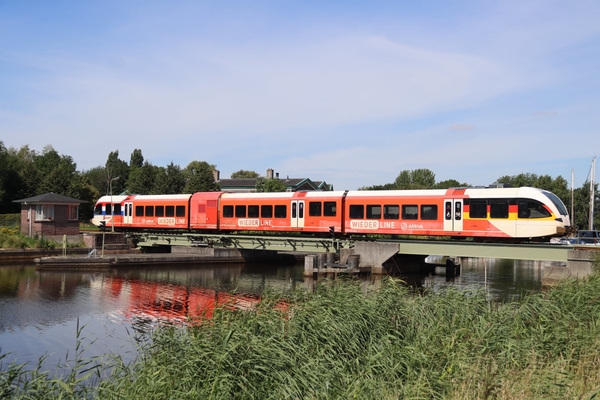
(40, 310)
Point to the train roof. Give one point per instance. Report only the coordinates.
(283, 195)
(160, 196)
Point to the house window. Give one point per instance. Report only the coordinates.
(44, 211)
(73, 212)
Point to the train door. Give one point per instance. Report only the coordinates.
(453, 215)
(128, 213)
(297, 216)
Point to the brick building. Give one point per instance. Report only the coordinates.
(50, 215)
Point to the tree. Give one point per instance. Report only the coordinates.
(449, 183)
(142, 179)
(115, 167)
(415, 179)
(264, 185)
(137, 159)
(81, 188)
(169, 180)
(387, 186)
(199, 177)
(243, 174)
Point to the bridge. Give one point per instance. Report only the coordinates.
(375, 253)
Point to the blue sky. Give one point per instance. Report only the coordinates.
(347, 92)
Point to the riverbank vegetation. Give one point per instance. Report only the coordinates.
(344, 341)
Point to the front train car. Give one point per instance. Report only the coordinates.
(524, 213)
(109, 210)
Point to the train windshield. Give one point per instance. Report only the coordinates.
(557, 202)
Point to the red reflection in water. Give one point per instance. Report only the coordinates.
(177, 303)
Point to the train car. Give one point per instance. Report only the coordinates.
(305, 212)
(155, 212)
(109, 210)
(501, 213)
(481, 213)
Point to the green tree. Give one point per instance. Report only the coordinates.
(115, 167)
(169, 180)
(199, 177)
(415, 179)
(264, 185)
(243, 174)
(81, 188)
(97, 178)
(387, 186)
(137, 159)
(449, 183)
(142, 179)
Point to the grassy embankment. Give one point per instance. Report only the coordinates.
(338, 342)
(11, 237)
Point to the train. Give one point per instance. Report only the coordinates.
(482, 213)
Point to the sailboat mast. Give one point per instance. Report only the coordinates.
(592, 185)
(572, 197)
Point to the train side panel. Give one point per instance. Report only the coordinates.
(308, 212)
(204, 210)
(414, 212)
(153, 212)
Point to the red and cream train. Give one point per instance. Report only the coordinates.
(487, 213)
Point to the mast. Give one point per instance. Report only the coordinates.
(592, 179)
(572, 197)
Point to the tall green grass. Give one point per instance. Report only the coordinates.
(344, 341)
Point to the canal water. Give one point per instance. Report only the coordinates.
(62, 316)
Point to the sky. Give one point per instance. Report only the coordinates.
(347, 92)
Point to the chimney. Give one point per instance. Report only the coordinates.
(270, 173)
(216, 174)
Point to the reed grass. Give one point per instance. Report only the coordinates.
(344, 341)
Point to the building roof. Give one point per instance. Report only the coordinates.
(50, 198)
(292, 184)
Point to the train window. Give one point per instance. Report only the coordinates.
(281, 211)
(373, 212)
(170, 211)
(499, 209)
(314, 209)
(117, 209)
(294, 210)
(532, 209)
(391, 211)
(180, 211)
(357, 211)
(108, 209)
(227, 211)
(448, 213)
(410, 212)
(149, 211)
(300, 209)
(329, 209)
(159, 211)
(98, 209)
(478, 209)
(240, 211)
(429, 212)
(252, 211)
(266, 211)
(139, 211)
